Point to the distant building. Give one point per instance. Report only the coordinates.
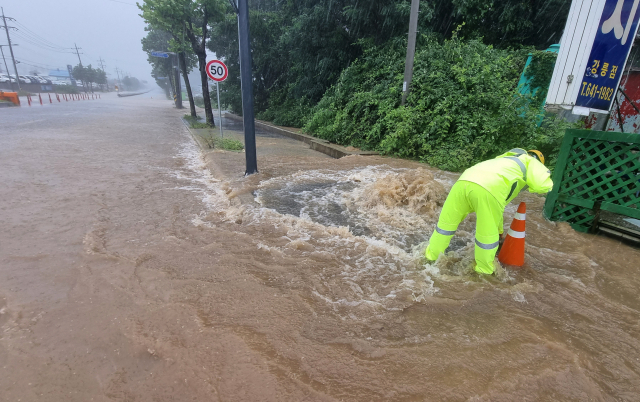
(59, 76)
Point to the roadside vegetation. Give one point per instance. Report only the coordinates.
(67, 89)
(195, 123)
(335, 68)
(463, 107)
(211, 138)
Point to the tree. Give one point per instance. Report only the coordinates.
(192, 18)
(101, 78)
(90, 75)
(300, 48)
(131, 83)
(79, 73)
(160, 40)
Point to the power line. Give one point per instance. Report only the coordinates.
(27, 61)
(39, 45)
(35, 65)
(35, 36)
(36, 42)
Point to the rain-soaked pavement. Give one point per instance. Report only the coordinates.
(133, 267)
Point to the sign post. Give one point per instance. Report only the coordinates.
(218, 71)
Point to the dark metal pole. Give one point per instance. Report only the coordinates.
(411, 49)
(247, 87)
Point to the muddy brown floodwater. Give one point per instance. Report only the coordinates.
(134, 267)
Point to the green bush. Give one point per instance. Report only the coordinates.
(228, 144)
(286, 111)
(66, 89)
(213, 141)
(199, 125)
(463, 107)
(194, 122)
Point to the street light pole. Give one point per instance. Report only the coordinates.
(246, 79)
(15, 67)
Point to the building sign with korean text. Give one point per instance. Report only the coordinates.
(611, 46)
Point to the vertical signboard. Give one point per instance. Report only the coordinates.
(70, 69)
(613, 40)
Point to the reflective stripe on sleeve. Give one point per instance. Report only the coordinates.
(445, 232)
(518, 151)
(485, 246)
(521, 164)
(515, 235)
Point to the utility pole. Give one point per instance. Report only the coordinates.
(246, 79)
(117, 72)
(15, 67)
(78, 53)
(103, 70)
(411, 49)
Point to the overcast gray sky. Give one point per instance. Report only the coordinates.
(110, 29)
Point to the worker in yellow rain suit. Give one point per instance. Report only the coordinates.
(486, 189)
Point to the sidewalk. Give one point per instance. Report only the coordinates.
(318, 144)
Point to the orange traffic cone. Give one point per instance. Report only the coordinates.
(512, 251)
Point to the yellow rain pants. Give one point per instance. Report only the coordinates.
(466, 197)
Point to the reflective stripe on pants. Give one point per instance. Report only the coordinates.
(466, 197)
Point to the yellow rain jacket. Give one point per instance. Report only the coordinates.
(486, 189)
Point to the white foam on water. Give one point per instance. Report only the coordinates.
(380, 241)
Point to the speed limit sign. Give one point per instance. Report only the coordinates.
(217, 70)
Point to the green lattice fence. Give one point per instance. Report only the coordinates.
(595, 170)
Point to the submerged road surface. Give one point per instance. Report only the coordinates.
(134, 267)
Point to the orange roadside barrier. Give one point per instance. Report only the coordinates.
(512, 251)
(40, 96)
(11, 97)
(50, 101)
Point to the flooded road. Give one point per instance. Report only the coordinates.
(134, 267)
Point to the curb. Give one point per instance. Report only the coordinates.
(317, 144)
(194, 136)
